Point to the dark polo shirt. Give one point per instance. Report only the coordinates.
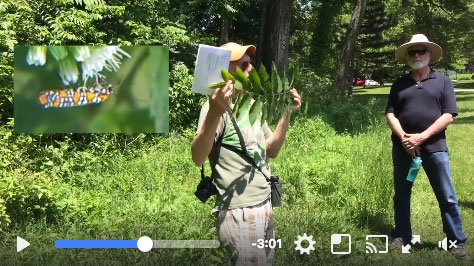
(418, 106)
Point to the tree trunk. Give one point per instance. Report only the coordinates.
(343, 75)
(276, 33)
(225, 30)
(261, 35)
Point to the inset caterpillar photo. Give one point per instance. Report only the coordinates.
(91, 89)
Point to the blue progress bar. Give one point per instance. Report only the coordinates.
(96, 243)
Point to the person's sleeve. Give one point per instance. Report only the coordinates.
(448, 104)
(267, 132)
(202, 116)
(392, 100)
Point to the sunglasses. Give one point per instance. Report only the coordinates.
(245, 65)
(418, 51)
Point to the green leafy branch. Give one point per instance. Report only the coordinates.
(262, 97)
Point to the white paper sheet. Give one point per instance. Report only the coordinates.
(209, 62)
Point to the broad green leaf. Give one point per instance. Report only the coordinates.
(262, 72)
(238, 85)
(281, 105)
(270, 106)
(244, 106)
(255, 81)
(240, 76)
(264, 113)
(276, 81)
(294, 74)
(286, 85)
(226, 75)
(237, 102)
(265, 79)
(255, 110)
(217, 85)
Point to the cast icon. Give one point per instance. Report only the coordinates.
(371, 248)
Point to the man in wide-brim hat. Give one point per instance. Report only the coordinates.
(420, 107)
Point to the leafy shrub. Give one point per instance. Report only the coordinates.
(184, 104)
(25, 198)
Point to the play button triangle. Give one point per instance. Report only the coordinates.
(21, 244)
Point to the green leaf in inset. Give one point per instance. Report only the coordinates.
(58, 52)
(255, 110)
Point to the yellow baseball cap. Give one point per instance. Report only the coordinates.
(238, 50)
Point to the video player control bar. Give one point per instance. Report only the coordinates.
(144, 244)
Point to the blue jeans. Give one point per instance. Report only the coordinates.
(436, 166)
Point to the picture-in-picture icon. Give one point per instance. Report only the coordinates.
(337, 244)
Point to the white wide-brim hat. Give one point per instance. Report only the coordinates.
(421, 39)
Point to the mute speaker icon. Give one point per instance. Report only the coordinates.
(443, 244)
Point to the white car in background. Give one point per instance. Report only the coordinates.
(369, 82)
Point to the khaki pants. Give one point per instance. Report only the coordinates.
(239, 228)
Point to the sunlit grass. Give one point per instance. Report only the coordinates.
(334, 183)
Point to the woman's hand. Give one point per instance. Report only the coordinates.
(296, 100)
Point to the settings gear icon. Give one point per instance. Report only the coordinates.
(310, 244)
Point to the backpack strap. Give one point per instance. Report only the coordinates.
(218, 145)
(244, 152)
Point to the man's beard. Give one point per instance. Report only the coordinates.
(418, 64)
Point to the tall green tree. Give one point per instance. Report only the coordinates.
(323, 31)
(374, 50)
(346, 62)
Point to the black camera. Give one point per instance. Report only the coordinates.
(277, 191)
(205, 189)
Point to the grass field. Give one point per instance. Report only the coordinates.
(337, 172)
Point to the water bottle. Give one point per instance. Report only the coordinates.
(414, 169)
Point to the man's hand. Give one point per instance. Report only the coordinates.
(296, 100)
(412, 142)
(220, 99)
